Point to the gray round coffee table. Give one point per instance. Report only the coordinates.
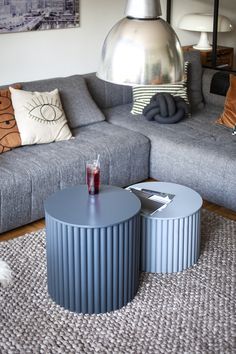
(93, 246)
(170, 238)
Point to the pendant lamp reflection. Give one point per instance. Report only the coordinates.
(142, 48)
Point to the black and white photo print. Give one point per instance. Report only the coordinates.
(31, 15)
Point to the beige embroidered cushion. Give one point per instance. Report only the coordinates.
(39, 116)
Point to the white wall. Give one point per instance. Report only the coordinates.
(44, 54)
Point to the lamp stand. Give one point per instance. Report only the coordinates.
(143, 9)
(203, 43)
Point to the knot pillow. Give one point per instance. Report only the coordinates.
(165, 108)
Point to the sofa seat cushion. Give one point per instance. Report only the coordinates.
(39, 170)
(195, 152)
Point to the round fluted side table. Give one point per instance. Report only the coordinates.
(170, 238)
(93, 247)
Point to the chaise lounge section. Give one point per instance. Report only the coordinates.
(195, 152)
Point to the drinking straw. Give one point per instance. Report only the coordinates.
(97, 161)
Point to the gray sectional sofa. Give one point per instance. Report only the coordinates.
(195, 152)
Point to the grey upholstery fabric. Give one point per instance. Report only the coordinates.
(106, 94)
(30, 174)
(209, 97)
(76, 100)
(194, 79)
(195, 152)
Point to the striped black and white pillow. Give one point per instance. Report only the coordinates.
(142, 94)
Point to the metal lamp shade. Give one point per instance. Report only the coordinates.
(141, 52)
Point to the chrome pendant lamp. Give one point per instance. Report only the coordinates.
(142, 48)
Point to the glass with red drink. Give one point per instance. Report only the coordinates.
(93, 176)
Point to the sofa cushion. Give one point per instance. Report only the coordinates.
(106, 94)
(165, 108)
(9, 133)
(79, 107)
(40, 116)
(194, 79)
(195, 152)
(228, 117)
(39, 170)
(220, 83)
(210, 97)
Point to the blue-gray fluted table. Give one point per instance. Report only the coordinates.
(170, 238)
(93, 247)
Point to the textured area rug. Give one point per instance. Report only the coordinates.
(188, 312)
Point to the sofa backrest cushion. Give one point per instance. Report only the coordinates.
(209, 97)
(106, 94)
(79, 107)
(194, 79)
(220, 83)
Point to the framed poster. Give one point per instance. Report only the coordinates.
(36, 15)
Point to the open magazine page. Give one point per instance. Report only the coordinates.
(152, 201)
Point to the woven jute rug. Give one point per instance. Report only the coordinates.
(188, 312)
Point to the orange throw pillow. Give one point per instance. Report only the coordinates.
(9, 133)
(228, 117)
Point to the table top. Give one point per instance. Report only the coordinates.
(74, 206)
(186, 201)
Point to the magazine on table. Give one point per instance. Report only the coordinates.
(152, 201)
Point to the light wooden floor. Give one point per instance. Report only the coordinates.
(41, 223)
(34, 226)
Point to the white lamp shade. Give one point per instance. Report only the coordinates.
(204, 23)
